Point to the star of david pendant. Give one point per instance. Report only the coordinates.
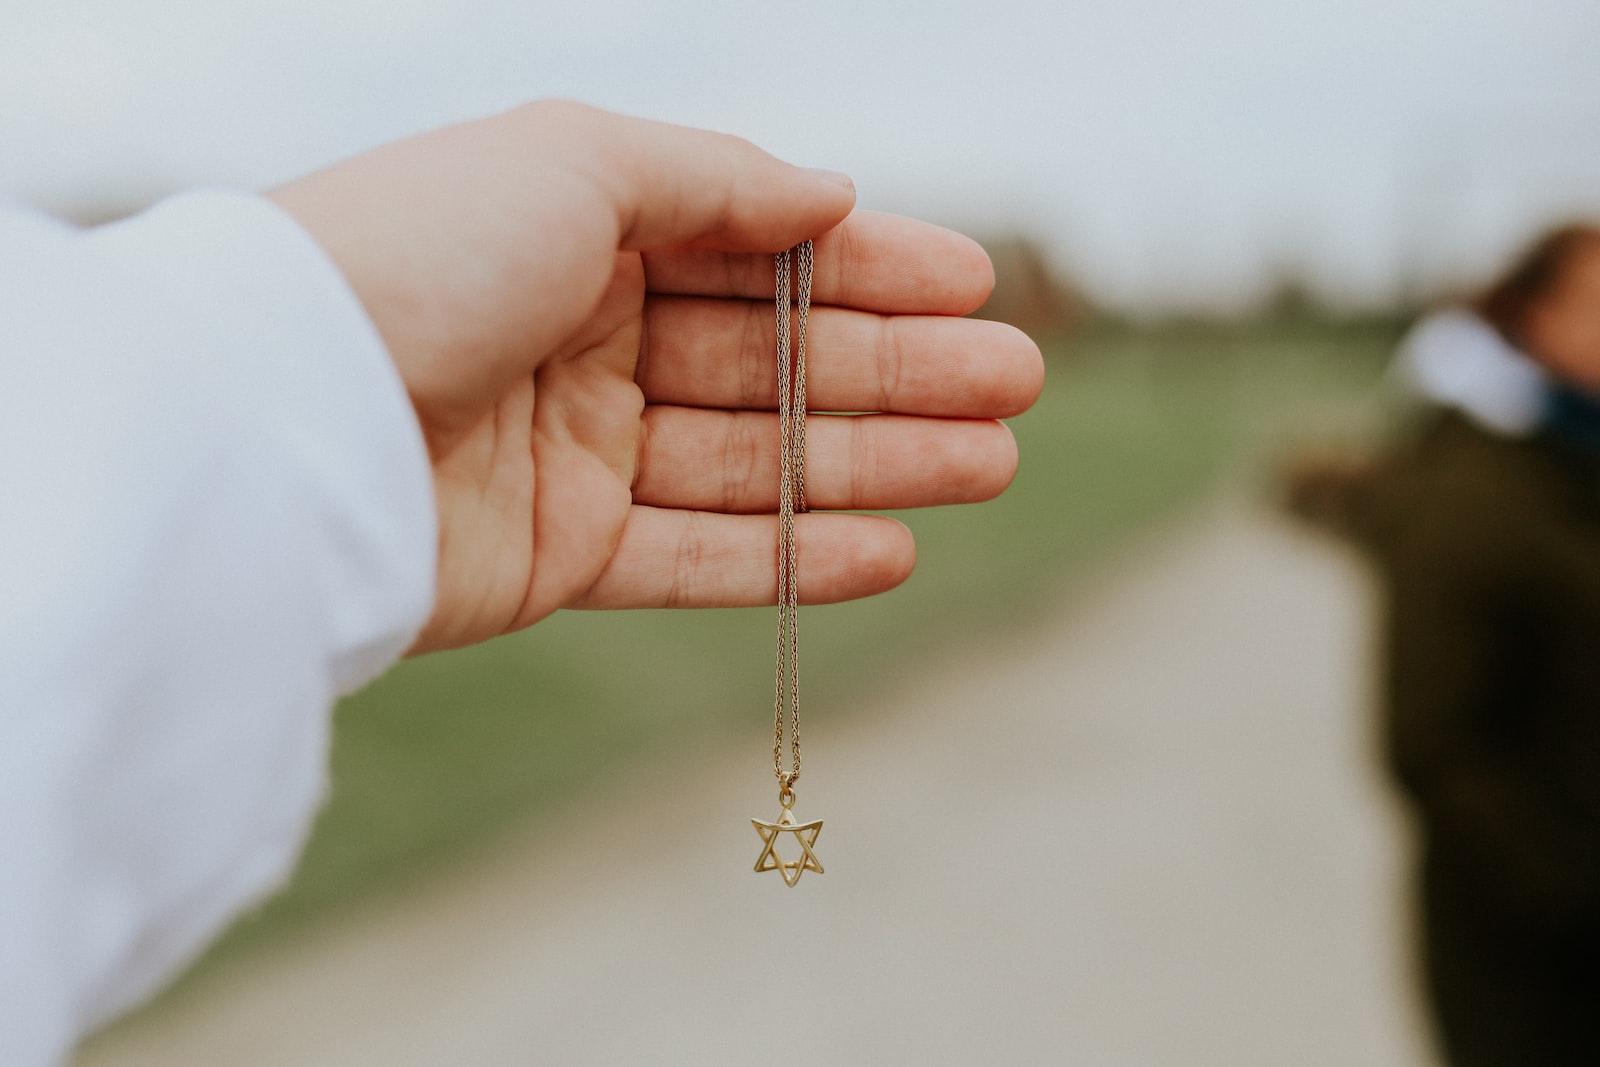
(805, 834)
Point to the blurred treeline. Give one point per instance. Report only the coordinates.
(1036, 295)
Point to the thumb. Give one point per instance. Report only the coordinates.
(673, 185)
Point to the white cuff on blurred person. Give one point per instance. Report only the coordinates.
(1454, 359)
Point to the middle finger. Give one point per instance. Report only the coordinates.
(720, 353)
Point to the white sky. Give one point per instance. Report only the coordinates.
(1168, 151)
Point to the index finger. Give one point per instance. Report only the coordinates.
(870, 261)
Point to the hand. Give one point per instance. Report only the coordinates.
(580, 305)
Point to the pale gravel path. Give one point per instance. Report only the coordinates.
(1149, 832)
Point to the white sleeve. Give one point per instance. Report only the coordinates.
(1455, 359)
(216, 516)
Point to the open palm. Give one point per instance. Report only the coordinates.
(590, 353)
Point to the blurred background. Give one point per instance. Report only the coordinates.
(1099, 780)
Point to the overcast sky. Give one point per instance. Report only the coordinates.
(1171, 151)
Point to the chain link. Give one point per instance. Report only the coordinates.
(794, 272)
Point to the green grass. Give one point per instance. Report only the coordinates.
(446, 750)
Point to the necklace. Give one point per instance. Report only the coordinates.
(794, 268)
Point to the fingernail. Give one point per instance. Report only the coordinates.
(832, 177)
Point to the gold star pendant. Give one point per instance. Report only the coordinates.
(805, 833)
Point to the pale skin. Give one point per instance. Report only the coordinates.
(1563, 325)
(580, 305)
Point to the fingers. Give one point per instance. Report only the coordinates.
(693, 559)
(728, 461)
(870, 261)
(719, 353)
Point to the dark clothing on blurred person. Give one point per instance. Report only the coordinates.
(1488, 547)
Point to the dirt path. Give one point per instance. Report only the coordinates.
(1146, 834)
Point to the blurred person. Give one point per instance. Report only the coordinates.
(255, 448)
(1485, 528)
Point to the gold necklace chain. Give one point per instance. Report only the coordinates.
(794, 270)
(794, 288)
